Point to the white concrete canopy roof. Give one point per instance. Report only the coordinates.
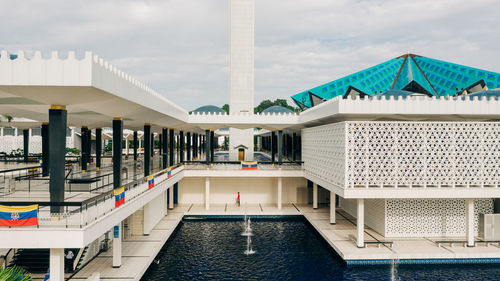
(93, 91)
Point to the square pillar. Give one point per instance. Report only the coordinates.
(280, 192)
(294, 137)
(273, 146)
(360, 223)
(117, 151)
(135, 146)
(207, 146)
(57, 153)
(160, 146)
(171, 146)
(315, 195)
(56, 261)
(98, 148)
(147, 149)
(188, 146)
(280, 146)
(45, 149)
(177, 158)
(469, 216)
(212, 146)
(207, 193)
(146, 221)
(171, 197)
(84, 138)
(164, 155)
(332, 207)
(26, 144)
(117, 246)
(165, 196)
(181, 146)
(152, 145)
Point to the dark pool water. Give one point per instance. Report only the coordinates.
(287, 249)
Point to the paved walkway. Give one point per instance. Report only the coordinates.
(341, 236)
(248, 209)
(137, 252)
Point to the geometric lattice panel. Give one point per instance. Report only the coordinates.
(453, 154)
(431, 217)
(323, 152)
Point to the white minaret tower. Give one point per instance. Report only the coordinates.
(241, 75)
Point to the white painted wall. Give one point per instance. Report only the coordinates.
(252, 190)
(374, 212)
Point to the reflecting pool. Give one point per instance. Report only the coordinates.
(285, 249)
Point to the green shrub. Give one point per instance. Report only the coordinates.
(14, 273)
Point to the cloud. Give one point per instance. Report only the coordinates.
(180, 48)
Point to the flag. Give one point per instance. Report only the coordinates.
(249, 165)
(169, 173)
(119, 196)
(18, 216)
(151, 182)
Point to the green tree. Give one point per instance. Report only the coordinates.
(280, 102)
(226, 108)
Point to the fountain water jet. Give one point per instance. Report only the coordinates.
(248, 229)
(249, 250)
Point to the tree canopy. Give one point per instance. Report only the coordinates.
(266, 104)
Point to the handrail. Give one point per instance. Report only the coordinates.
(19, 169)
(89, 200)
(239, 162)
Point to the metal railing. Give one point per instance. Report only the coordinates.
(78, 214)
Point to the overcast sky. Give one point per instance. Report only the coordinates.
(180, 47)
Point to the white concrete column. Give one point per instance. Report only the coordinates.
(146, 222)
(171, 196)
(315, 195)
(207, 193)
(360, 241)
(117, 245)
(57, 264)
(280, 192)
(332, 207)
(469, 216)
(165, 200)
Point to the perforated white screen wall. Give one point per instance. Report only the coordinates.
(423, 153)
(323, 152)
(404, 154)
(431, 217)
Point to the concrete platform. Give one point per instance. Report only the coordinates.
(341, 236)
(137, 252)
(249, 209)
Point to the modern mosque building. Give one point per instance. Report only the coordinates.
(408, 150)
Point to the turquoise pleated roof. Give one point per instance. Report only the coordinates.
(408, 73)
